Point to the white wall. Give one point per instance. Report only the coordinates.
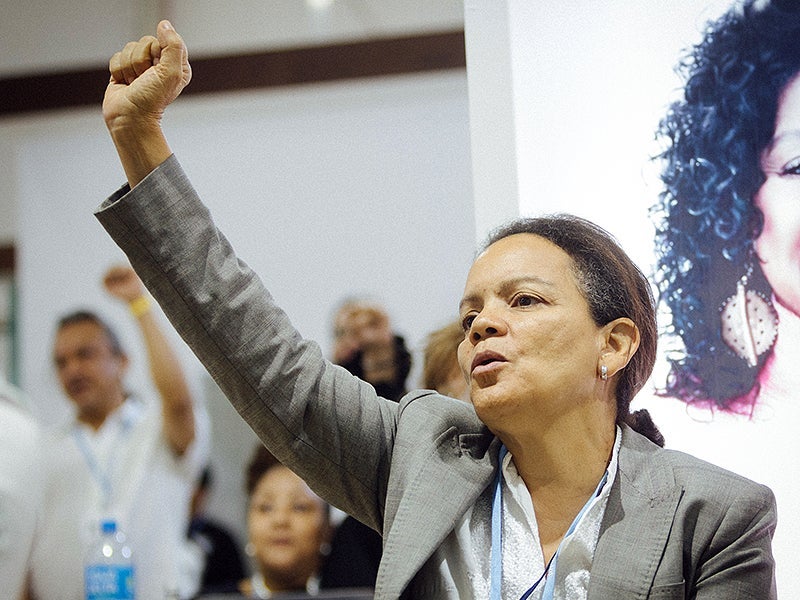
(600, 78)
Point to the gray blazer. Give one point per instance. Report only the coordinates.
(675, 527)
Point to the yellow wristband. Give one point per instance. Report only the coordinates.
(139, 306)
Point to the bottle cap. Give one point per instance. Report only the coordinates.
(108, 526)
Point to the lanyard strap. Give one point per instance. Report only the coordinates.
(497, 537)
(497, 528)
(101, 475)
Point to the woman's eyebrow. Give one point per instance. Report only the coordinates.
(506, 287)
(791, 135)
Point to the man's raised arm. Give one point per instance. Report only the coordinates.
(177, 406)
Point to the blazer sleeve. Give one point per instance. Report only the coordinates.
(328, 426)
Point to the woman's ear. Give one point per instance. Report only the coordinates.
(620, 342)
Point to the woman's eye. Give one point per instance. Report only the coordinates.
(466, 322)
(524, 300)
(792, 168)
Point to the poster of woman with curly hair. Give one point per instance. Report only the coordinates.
(677, 128)
(727, 251)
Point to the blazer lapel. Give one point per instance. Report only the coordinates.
(641, 510)
(446, 486)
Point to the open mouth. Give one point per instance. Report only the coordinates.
(486, 360)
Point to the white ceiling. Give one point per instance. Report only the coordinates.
(42, 35)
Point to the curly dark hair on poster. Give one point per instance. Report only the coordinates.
(705, 218)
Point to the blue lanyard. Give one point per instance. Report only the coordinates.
(497, 537)
(497, 528)
(99, 474)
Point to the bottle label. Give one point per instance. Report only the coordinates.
(109, 582)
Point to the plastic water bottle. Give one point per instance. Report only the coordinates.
(108, 572)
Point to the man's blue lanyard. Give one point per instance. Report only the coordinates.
(101, 475)
(497, 537)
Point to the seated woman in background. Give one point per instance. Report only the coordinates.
(287, 529)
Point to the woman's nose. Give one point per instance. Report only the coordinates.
(486, 324)
(280, 516)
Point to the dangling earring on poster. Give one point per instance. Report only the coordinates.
(749, 321)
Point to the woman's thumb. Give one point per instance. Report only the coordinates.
(174, 55)
(169, 40)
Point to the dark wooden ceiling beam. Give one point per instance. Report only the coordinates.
(369, 58)
(7, 258)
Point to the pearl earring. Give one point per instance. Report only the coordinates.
(603, 372)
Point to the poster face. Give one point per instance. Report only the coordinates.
(683, 140)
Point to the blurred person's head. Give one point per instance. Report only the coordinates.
(358, 324)
(440, 370)
(287, 524)
(90, 365)
(365, 345)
